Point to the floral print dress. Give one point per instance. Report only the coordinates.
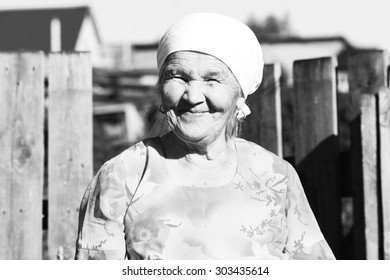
(132, 209)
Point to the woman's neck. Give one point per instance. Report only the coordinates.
(189, 164)
(198, 152)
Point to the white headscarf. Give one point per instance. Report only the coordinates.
(223, 37)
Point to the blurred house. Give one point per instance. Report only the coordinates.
(128, 57)
(51, 29)
(144, 56)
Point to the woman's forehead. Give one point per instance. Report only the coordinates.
(188, 60)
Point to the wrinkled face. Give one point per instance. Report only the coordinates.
(199, 93)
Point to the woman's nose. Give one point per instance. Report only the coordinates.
(194, 92)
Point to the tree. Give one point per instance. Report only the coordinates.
(271, 27)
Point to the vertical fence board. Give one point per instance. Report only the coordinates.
(384, 130)
(21, 150)
(316, 143)
(367, 74)
(370, 169)
(367, 71)
(70, 147)
(264, 125)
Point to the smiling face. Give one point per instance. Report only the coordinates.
(199, 94)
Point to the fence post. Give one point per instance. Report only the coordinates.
(70, 147)
(316, 143)
(21, 151)
(367, 74)
(264, 125)
(384, 131)
(370, 172)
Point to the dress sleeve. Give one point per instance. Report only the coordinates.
(101, 233)
(305, 239)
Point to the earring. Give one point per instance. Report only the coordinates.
(242, 109)
(240, 112)
(240, 115)
(161, 109)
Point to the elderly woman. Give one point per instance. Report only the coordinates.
(196, 191)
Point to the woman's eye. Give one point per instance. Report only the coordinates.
(179, 78)
(212, 80)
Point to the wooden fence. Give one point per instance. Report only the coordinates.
(317, 155)
(22, 164)
(69, 155)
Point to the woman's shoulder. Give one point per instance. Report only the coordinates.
(257, 157)
(135, 152)
(127, 162)
(252, 149)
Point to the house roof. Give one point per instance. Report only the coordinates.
(303, 40)
(270, 40)
(145, 47)
(29, 29)
(342, 56)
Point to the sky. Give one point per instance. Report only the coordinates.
(362, 22)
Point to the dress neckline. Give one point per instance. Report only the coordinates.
(197, 187)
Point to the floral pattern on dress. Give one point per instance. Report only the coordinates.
(145, 240)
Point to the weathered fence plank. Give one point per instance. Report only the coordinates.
(21, 151)
(370, 173)
(70, 147)
(316, 143)
(367, 74)
(384, 130)
(264, 125)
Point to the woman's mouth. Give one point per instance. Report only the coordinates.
(193, 112)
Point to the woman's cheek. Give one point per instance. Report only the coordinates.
(171, 93)
(221, 99)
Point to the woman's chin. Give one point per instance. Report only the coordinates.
(198, 130)
(190, 136)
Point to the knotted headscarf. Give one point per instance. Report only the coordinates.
(223, 37)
